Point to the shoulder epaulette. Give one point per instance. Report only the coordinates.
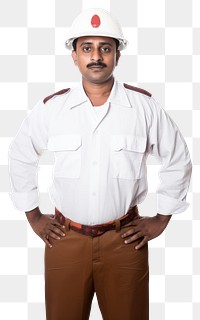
(127, 86)
(56, 94)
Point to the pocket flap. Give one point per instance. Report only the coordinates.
(64, 142)
(128, 142)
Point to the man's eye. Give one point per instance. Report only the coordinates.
(105, 49)
(86, 49)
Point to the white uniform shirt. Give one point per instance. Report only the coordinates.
(100, 159)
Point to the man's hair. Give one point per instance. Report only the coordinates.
(74, 43)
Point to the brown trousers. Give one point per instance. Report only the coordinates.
(79, 265)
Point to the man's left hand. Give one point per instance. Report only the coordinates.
(146, 228)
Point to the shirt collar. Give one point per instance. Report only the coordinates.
(118, 96)
(76, 96)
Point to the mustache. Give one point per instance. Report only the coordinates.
(97, 64)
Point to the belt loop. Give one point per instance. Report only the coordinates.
(117, 225)
(67, 224)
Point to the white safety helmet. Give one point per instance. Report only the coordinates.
(96, 22)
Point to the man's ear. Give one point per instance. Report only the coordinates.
(74, 57)
(118, 55)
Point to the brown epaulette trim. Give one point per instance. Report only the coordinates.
(127, 86)
(56, 94)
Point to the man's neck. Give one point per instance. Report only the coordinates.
(98, 93)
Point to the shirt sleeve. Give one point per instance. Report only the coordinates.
(168, 145)
(24, 153)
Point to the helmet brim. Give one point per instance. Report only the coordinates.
(122, 42)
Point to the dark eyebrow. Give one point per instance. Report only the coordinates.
(106, 43)
(101, 43)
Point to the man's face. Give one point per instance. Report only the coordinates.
(96, 58)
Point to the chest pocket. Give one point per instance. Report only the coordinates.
(127, 153)
(67, 152)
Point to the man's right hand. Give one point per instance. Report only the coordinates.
(45, 226)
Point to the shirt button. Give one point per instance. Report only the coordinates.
(94, 162)
(94, 193)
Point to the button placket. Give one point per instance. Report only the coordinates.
(94, 175)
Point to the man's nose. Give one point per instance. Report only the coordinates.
(96, 55)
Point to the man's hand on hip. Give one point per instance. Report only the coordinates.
(146, 228)
(45, 226)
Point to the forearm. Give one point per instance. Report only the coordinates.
(33, 215)
(163, 217)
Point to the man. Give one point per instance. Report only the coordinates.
(101, 132)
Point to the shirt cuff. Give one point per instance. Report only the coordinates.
(25, 201)
(167, 205)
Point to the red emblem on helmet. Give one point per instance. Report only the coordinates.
(95, 21)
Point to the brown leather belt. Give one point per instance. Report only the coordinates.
(98, 229)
